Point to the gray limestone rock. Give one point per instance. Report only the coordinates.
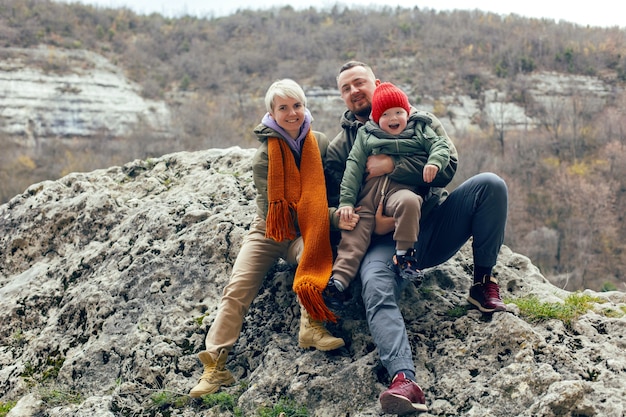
(109, 281)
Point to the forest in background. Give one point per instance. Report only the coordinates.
(566, 179)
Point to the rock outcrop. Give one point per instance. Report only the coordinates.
(51, 93)
(110, 279)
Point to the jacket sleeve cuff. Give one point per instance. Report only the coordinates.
(334, 219)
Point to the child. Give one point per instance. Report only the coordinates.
(392, 130)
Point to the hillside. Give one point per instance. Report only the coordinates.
(561, 159)
(109, 281)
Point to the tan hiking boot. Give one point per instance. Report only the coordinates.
(314, 334)
(215, 374)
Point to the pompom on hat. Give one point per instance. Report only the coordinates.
(386, 96)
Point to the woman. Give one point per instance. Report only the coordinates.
(292, 222)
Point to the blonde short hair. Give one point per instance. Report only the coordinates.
(284, 88)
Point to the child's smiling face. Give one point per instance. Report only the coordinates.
(393, 120)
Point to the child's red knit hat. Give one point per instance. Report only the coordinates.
(386, 96)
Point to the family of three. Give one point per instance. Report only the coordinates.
(382, 178)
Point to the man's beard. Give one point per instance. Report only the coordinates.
(363, 112)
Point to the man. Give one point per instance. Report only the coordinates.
(477, 209)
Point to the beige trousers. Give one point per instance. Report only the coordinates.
(400, 202)
(256, 257)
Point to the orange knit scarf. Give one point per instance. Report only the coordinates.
(292, 196)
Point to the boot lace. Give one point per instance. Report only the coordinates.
(492, 291)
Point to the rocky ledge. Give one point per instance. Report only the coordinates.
(109, 281)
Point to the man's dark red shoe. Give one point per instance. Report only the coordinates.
(403, 397)
(485, 295)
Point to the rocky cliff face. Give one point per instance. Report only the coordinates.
(48, 93)
(110, 279)
(57, 93)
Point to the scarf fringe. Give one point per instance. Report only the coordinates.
(311, 298)
(279, 221)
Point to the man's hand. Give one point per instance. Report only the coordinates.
(379, 165)
(384, 224)
(430, 172)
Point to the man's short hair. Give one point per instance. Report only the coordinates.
(351, 64)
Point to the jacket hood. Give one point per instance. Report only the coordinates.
(418, 116)
(263, 132)
(349, 121)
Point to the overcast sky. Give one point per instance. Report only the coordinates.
(594, 13)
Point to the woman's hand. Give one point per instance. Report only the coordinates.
(348, 217)
(384, 224)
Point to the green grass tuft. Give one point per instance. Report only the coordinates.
(284, 408)
(456, 312)
(574, 306)
(6, 407)
(222, 399)
(55, 397)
